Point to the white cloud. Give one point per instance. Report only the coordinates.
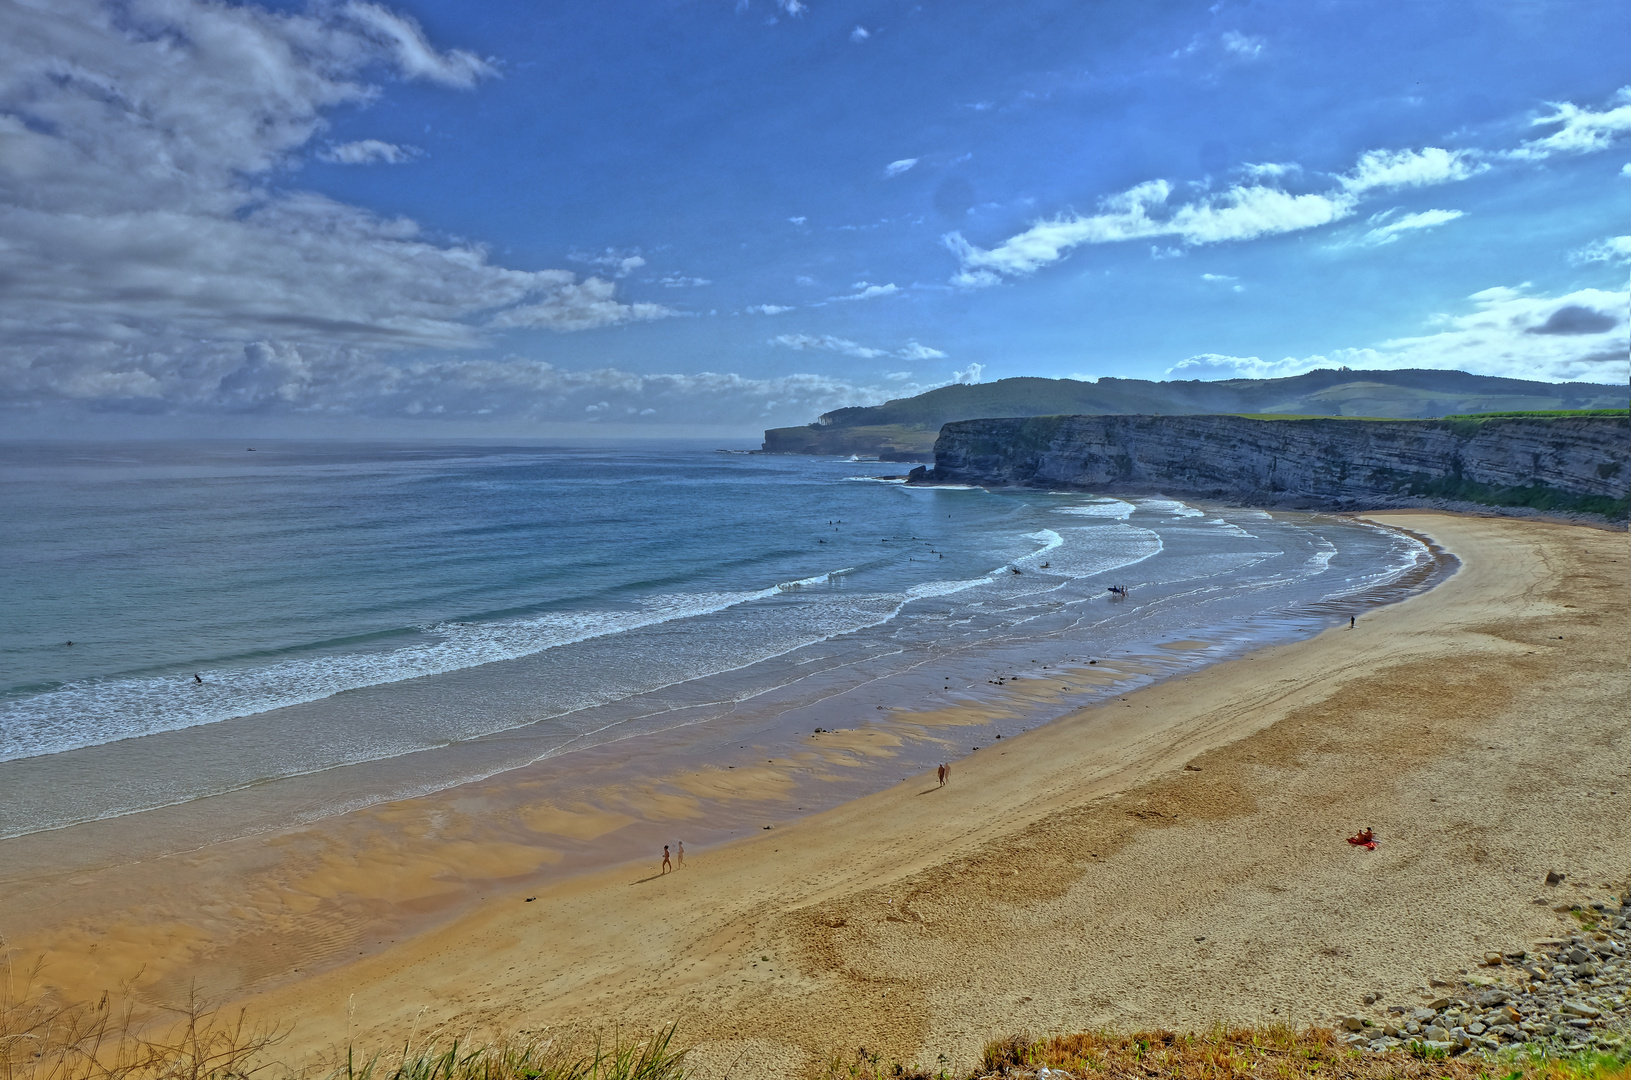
(148, 258)
(1223, 366)
(1242, 45)
(828, 343)
(401, 38)
(620, 263)
(576, 306)
(895, 168)
(680, 281)
(1386, 170)
(1243, 211)
(1580, 131)
(969, 374)
(1625, 170)
(794, 8)
(770, 309)
(1219, 277)
(368, 152)
(867, 291)
(915, 351)
(798, 220)
(859, 34)
(1577, 336)
(912, 350)
(1271, 170)
(1390, 230)
(1609, 250)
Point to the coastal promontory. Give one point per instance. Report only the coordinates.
(1578, 464)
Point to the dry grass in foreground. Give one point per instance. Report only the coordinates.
(1229, 1054)
(45, 1040)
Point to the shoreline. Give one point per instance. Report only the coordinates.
(606, 935)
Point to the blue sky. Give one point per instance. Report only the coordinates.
(712, 217)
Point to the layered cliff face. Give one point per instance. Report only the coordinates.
(1578, 464)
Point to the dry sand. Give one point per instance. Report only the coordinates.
(1172, 857)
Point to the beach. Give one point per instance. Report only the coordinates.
(1169, 856)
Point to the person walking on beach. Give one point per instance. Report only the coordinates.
(667, 866)
(941, 774)
(681, 854)
(1351, 620)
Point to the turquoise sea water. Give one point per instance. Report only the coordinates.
(239, 617)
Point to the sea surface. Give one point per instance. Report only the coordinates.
(397, 619)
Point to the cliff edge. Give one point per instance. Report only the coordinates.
(1558, 464)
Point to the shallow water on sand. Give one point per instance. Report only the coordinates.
(327, 626)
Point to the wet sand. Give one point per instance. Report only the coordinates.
(1170, 856)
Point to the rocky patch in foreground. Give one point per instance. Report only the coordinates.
(1572, 994)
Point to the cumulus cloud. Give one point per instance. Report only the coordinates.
(770, 309)
(1242, 212)
(1258, 206)
(1387, 231)
(912, 350)
(401, 38)
(867, 291)
(859, 34)
(1611, 250)
(618, 263)
(680, 281)
(569, 305)
(915, 351)
(1242, 45)
(969, 374)
(368, 152)
(895, 168)
(149, 260)
(1390, 170)
(1579, 130)
(1508, 332)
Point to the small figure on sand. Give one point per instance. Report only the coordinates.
(944, 773)
(667, 866)
(680, 853)
(1365, 838)
(1351, 620)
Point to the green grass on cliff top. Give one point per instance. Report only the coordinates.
(1449, 416)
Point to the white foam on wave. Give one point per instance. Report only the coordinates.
(1408, 553)
(1086, 550)
(93, 713)
(1230, 527)
(1106, 508)
(1170, 506)
(819, 579)
(877, 479)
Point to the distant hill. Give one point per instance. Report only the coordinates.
(905, 429)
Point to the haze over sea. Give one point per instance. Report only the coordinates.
(394, 619)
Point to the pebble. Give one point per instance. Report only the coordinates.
(1570, 993)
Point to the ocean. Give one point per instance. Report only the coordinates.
(340, 624)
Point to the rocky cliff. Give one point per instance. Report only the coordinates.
(1571, 464)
